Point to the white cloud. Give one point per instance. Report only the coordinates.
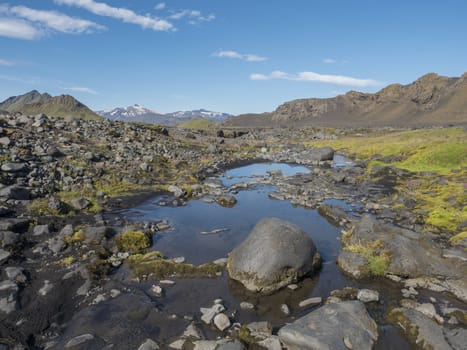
(18, 29)
(239, 56)
(316, 77)
(81, 89)
(329, 61)
(195, 16)
(53, 20)
(6, 63)
(160, 6)
(19, 79)
(127, 16)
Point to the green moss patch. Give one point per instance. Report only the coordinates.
(154, 266)
(133, 241)
(378, 258)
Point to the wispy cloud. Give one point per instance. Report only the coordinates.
(123, 14)
(329, 61)
(160, 6)
(19, 79)
(194, 16)
(18, 29)
(53, 20)
(81, 89)
(318, 78)
(6, 63)
(239, 56)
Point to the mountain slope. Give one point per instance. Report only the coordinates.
(430, 100)
(138, 113)
(34, 102)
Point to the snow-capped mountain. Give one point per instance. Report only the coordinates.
(138, 113)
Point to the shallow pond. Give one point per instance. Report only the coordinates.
(185, 238)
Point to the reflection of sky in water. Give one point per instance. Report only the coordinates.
(260, 170)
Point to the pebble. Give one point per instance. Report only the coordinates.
(292, 286)
(285, 309)
(310, 301)
(222, 322)
(46, 288)
(244, 305)
(367, 295)
(157, 290)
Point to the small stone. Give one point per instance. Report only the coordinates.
(367, 295)
(99, 299)
(192, 332)
(167, 282)
(178, 344)
(40, 230)
(5, 141)
(220, 262)
(246, 305)
(149, 344)
(9, 303)
(222, 322)
(293, 286)
(157, 290)
(145, 167)
(80, 339)
(179, 260)
(13, 167)
(310, 301)
(4, 255)
(114, 293)
(209, 313)
(348, 343)
(80, 203)
(46, 288)
(285, 309)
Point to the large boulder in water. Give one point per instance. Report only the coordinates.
(336, 326)
(275, 254)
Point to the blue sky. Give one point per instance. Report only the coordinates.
(231, 56)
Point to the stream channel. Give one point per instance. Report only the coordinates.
(187, 238)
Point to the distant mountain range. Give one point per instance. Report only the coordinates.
(430, 100)
(34, 102)
(138, 113)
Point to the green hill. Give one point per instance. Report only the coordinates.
(198, 124)
(34, 102)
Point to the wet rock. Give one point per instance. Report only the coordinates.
(421, 330)
(221, 321)
(149, 344)
(310, 302)
(192, 332)
(285, 309)
(321, 154)
(210, 313)
(226, 201)
(275, 254)
(244, 305)
(326, 328)
(367, 295)
(334, 213)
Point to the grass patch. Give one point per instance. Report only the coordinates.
(378, 258)
(133, 241)
(457, 238)
(198, 124)
(77, 237)
(438, 156)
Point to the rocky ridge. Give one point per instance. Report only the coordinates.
(430, 100)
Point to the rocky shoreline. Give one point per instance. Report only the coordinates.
(64, 251)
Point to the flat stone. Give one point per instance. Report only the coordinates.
(13, 167)
(271, 343)
(192, 332)
(40, 230)
(246, 306)
(4, 255)
(80, 203)
(221, 321)
(149, 344)
(15, 192)
(327, 326)
(9, 304)
(285, 309)
(367, 295)
(177, 344)
(80, 339)
(311, 301)
(205, 345)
